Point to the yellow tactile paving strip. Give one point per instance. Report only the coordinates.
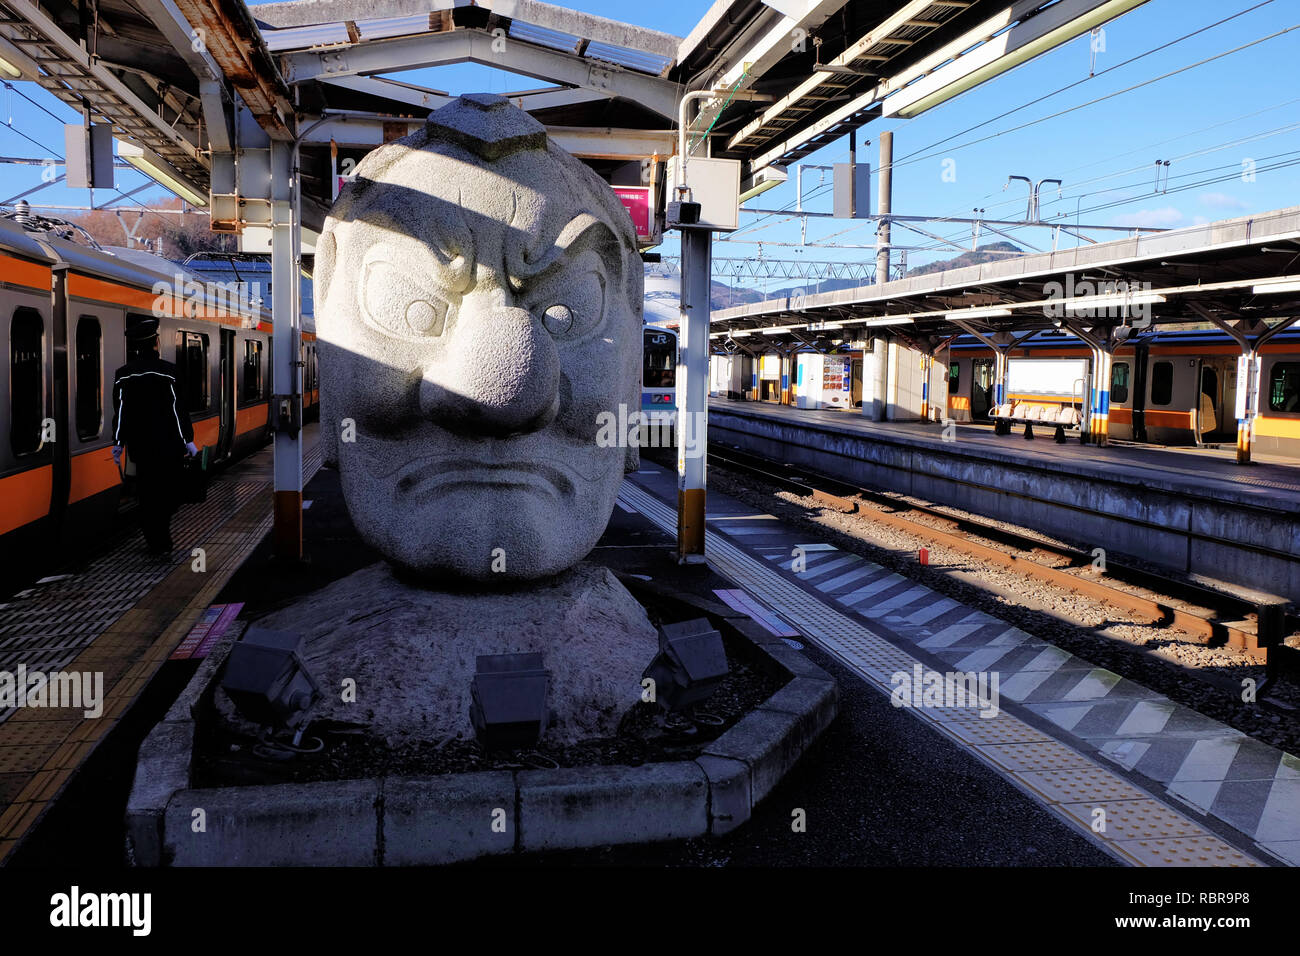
(1138, 829)
(41, 749)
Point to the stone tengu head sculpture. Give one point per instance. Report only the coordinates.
(478, 306)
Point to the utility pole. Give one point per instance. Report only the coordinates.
(885, 205)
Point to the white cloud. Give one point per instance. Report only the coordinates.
(1220, 201)
(1163, 218)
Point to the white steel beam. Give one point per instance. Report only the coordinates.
(286, 372)
(980, 34)
(392, 90)
(693, 393)
(546, 99)
(171, 23)
(854, 51)
(782, 38)
(1028, 39)
(587, 26)
(610, 143)
(477, 46)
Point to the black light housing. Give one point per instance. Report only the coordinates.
(267, 679)
(690, 665)
(508, 700)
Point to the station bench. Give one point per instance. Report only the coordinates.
(1030, 414)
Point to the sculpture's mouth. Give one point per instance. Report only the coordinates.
(523, 462)
(433, 477)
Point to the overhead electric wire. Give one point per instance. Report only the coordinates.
(1227, 144)
(12, 88)
(1102, 99)
(909, 160)
(1132, 199)
(1091, 76)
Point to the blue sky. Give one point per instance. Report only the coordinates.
(1210, 121)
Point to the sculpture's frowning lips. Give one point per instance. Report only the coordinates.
(516, 461)
(428, 478)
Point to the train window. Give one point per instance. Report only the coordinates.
(954, 375)
(26, 381)
(660, 358)
(89, 377)
(252, 390)
(1162, 383)
(1119, 383)
(1284, 387)
(192, 364)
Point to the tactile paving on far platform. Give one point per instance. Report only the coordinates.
(1035, 755)
(1002, 729)
(1144, 819)
(1183, 851)
(1079, 785)
(871, 656)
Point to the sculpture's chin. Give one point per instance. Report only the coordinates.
(483, 533)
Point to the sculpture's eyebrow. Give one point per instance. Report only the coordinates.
(454, 249)
(524, 267)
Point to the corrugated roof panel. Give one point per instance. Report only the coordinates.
(303, 38)
(392, 27)
(541, 36)
(632, 59)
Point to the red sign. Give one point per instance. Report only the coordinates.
(636, 199)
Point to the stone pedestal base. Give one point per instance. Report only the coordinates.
(411, 650)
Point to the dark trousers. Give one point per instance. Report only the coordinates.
(157, 485)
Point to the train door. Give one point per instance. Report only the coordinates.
(1217, 399)
(27, 457)
(1206, 396)
(227, 394)
(1141, 356)
(981, 388)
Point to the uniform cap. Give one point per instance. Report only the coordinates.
(139, 328)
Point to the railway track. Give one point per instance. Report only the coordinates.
(1209, 616)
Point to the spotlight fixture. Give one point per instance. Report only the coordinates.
(508, 700)
(690, 665)
(160, 171)
(682, 213)
(267, 679)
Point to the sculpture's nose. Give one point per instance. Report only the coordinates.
(501, 375)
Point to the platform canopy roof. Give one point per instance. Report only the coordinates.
(1238, 271)
(787, 76)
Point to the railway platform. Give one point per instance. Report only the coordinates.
(1069, 743)
(1192, 510)
(1086, 745)
(117, 615)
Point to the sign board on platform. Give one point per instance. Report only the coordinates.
(636, 200)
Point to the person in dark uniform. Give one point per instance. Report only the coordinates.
(150, 422)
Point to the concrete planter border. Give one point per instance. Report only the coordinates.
(450, 818)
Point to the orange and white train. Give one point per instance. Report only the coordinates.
(63, 312)
(1177, 387)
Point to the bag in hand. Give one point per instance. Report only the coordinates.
(194, 479)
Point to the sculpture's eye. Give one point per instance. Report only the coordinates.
(558, 319)
(426, 318)
(572, 307)
(398, 306)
